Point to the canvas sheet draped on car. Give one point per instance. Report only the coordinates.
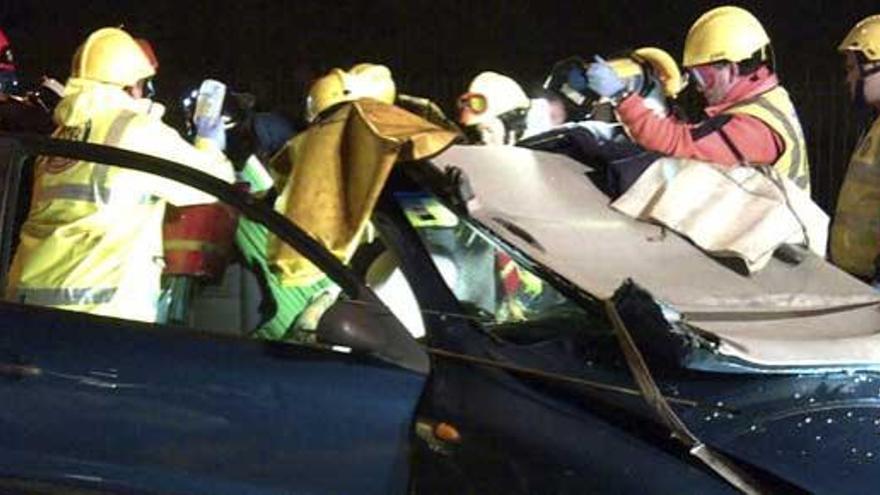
(337, 172)
(739, 212)
(805, 316)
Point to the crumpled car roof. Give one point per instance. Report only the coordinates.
(809, 314)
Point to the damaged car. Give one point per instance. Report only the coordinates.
(505, 332)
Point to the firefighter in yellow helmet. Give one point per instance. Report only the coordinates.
(327, 91)
(92, 241)
(372, 81)
(750, 119)
(855, 234)
(299, 305)
(364, 80)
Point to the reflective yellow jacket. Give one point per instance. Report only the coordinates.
(855, 232)
(775, 109)
(92, 240)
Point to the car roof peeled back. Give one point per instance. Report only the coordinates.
(806, 316)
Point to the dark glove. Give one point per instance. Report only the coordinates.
(577, 79)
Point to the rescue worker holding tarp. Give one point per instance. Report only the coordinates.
(341, 161)
(288, 318)
(338, 168)
(92, 241)
(855, 232)
(751, 119)
(252, 238)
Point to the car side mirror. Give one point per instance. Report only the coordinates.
(365, 325)
(352, 324)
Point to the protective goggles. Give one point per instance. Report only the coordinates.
(476, 103)
(703, 75)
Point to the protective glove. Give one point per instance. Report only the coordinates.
(602, 79)
(211, 128)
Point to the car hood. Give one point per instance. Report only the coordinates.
(785, 316)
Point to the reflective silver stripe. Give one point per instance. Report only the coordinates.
(86, 192)
(96, 191)
(795, 171)
(77, 192)
(64, 297)
(117, 128)
(99, 180)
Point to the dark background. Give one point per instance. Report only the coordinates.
(273, 49)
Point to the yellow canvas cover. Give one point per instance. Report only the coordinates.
(338, 167)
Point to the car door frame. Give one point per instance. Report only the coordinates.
(400, 350)
(404, 364)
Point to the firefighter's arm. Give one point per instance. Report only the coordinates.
(164, 142)
(726, 139)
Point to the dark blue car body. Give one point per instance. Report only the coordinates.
(100, 405)
(130, 407)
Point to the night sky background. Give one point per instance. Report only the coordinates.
(274, 49)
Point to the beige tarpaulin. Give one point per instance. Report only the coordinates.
(732, 212)
(338, 168)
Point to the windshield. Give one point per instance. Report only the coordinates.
(494, 285)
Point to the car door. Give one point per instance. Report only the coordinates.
(118, 404)
(516, 364)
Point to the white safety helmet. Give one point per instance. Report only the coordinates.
(490, 95)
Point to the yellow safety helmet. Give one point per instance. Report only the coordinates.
(112, 56)
(327, 91)
(372, 81)
(489, 95)
(659, 64)
(665, 68)
(361, 81)
(724, 34)
(864, 38)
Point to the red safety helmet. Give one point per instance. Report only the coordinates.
(7, 61)
(149, 52)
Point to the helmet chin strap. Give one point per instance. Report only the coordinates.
(514, 124)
